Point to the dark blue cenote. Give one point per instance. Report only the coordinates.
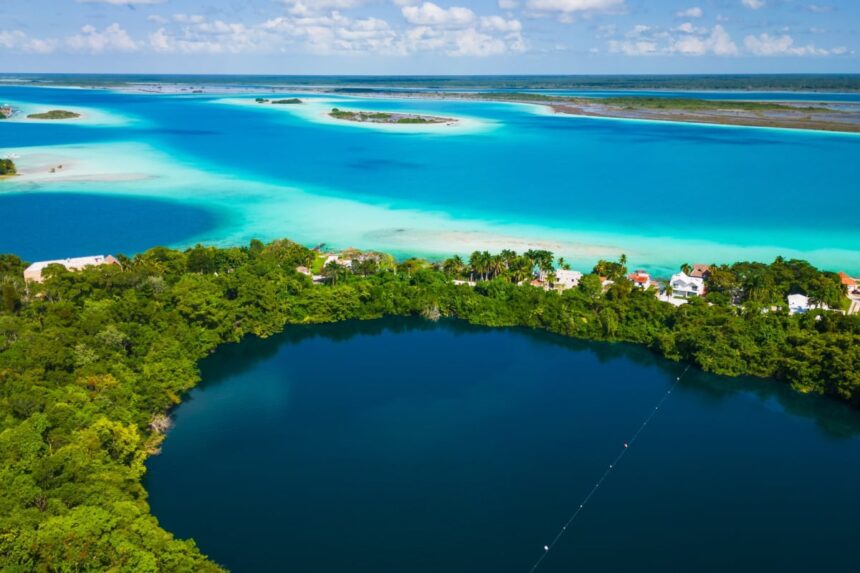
(402, 445)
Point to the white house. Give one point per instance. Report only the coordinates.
(798, 304)
(338, 261)
(567, 279)
(685, 286)
(34, 272)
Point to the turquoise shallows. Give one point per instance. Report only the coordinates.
(663, 193)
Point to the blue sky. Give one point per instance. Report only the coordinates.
(422, 37)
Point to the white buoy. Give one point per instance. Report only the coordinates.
(546, 547)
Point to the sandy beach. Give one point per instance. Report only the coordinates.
(317, 109)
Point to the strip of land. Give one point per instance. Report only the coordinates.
(55, 114)
(387, 117)
(782, 114)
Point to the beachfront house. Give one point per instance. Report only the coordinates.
(337, 260)
(640, 279)
(566, 279)
(799, 304)
(33, 273)
(849, 283)
(686, 286)
(700, 271)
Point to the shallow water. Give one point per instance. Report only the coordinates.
(663, 193)
(398, 445)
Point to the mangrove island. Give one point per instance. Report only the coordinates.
(7, 167)
(55, 114)
(387, 117)
(288, 101)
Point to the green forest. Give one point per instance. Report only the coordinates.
(91, 362)
(54, 114)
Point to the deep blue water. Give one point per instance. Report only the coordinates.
(399, 445)
(50, 226)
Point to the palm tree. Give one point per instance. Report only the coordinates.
(474, 264)
(496, 265)
(545, 261)
(686, 268)
(508, 257)
(454, 266)
(333, 272)
(520, 269)
(622, 259)
(486, 263)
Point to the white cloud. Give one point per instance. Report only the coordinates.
(122, 2)
(753, 4)
(819, 9)
(694, 12)
(685, 40)
(430, 14)
(18, 41)
(718, 42)
(307, 7)
(571, 6)
(633, 48)
(606, 30)
(508, 4)
(767, 45)
(470, 42)
(499, 24)
(337, 33)
(112, 38)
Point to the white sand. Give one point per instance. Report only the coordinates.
(267, 211)
(317, 108)
(88, 116)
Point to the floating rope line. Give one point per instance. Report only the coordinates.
(612, 466)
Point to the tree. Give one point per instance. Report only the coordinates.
(591, 286)
(454, 267)
(334, 272)
(7, 167)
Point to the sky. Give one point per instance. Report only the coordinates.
(430, 37)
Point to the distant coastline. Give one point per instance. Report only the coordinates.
(838, 83)
(625, 99)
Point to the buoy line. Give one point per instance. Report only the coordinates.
(627, 445)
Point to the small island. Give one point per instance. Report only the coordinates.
(6, 111)
(7, 168)
(55, 114)
(289, 101)
(387, 118)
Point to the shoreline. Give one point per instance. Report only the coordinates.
(576, 109)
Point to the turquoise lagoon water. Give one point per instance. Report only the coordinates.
(662, 193)
(399, 446)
